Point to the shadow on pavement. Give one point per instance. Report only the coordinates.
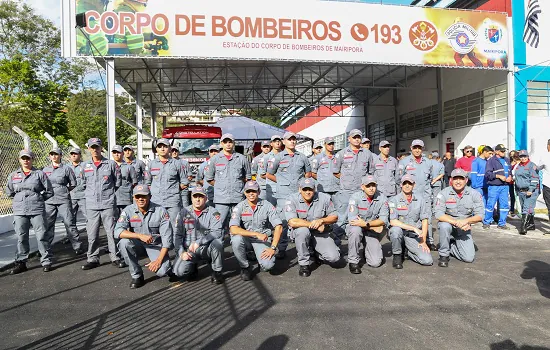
(540, 271)
(510, 345)
(276, 342)
(184, 316)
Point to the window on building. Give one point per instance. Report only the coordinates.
(538, 98)
(418, 123)
(383, 130)
(479, 107)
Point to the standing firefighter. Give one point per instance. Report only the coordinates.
(123, 194)
(138, 165)
(77, 194)
(101, 178)
(29, 188)
(527, 183)
(322, 169)
(63, 180)
(259, 167)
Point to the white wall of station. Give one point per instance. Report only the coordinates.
(456, 83)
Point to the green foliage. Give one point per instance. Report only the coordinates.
(268, 116)
(86, 117)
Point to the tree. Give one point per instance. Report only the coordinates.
(268, 116)
(86, 117)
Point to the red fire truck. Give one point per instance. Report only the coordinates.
(193, 141)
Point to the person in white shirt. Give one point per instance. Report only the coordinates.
(544, 166)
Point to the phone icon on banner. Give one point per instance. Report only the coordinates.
(359, 32)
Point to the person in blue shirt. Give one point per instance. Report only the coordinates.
(498, 176)
(477, 175)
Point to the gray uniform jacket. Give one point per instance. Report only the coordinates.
(360, 206)
(422, 173)
(261, 220)
(386, 173)
(288, 170)
(437, 169)
(352, 167)
(140, 168)
(61, 178)
(201, 229)
(200, 177)
(101, 184)
(448, 202)
(323, 166)
(165, 180)
(526, 177)
(409, 213)
(320, 207)
(129, 180)
(155, 222)
(78, 191)
(270, 158)
(259, 167)
(229, 176)
(28, 191)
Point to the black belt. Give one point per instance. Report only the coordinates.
(523, 189)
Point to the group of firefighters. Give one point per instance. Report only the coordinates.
(280, 196)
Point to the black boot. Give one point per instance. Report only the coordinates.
(304, 271)
(137, 282)
(246, 274)
(18, 268)
(522, 229)
(397, 261)
(354, 269)
(217, 277)
(530, 226)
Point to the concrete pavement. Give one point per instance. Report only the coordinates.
(501, 301)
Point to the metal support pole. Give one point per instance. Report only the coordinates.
(111, 106)
(396, 122)
(139, 121)
(439, 78)
(511, 88)
(154, 119)
(164, 122)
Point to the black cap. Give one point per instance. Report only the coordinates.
(500, 147)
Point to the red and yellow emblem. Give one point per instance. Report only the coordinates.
(423, 36)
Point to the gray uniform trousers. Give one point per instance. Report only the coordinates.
(225, 210)
(78, 204)
(173, 214)
(184, 194)
(132, 248)
(341, 201)
(94, 219)
(462, 246)
(398, 236)
(283, 242)
(373, 248)
(321, 243)
(213, 252)
(66, 212)
(22, 225)
(241, 244)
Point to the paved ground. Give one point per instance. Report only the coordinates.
(502, 301)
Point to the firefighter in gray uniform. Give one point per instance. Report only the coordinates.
(409, 225)
(212, 151)
(144, 227)
(287, 169)
(166, 179)
(199, 231)
(438, 172)
(63, 180)
(322, 168)
(255, 225)
(421, 168)
(77, 194)
(227, 172)
(351, 165)
(29, 188)
(123, 194)
(386, 170)
(184, 193)
(102, 178)
(310, 215)
(138, 165)
(367, 215)
(271, 186)
(259, 167)
(457, 207)
(527, 182)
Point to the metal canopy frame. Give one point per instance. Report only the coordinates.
(175, 85)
